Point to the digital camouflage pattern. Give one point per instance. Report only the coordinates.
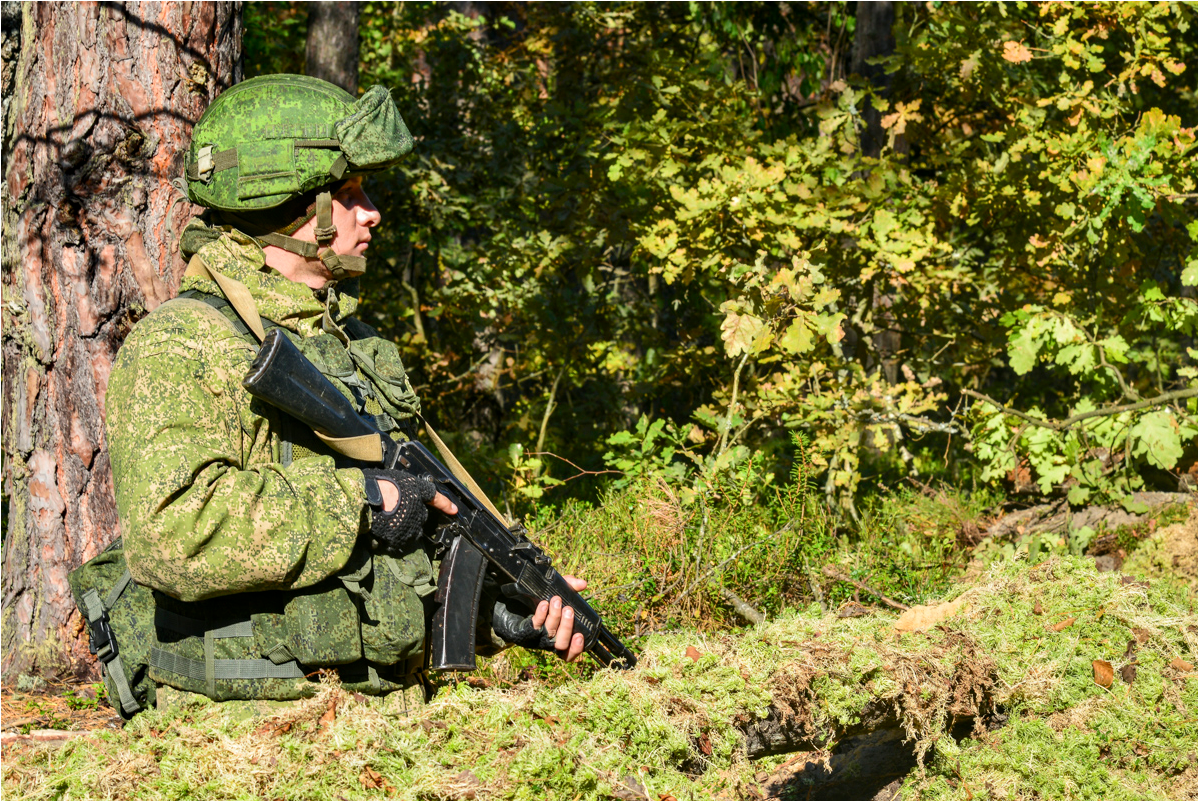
(270, 139)
(232, 510)
(207, 505)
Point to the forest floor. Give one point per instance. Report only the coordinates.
(1045, 679)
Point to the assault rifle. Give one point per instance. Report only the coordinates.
(474, 542)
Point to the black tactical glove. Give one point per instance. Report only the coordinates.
(398, 530)
(518, 629)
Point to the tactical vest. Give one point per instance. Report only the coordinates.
(367, 622)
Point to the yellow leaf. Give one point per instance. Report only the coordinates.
(797, 338)
(739, 331)
(1016, 52)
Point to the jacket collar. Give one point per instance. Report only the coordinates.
(292, 305)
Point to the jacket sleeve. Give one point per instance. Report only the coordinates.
(205, 510)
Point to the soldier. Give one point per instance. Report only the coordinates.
(271, 554)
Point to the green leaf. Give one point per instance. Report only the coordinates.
(1157, 437)
(1189, 276)
(797, 339)
(1022, 350)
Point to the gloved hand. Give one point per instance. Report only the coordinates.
(398, 529)
(549, 628)
(518, 629)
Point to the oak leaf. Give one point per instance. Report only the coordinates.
(1016, 52)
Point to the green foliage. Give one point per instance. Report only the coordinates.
(663, 213)
(275, 37)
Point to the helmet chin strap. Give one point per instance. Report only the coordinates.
(342, 266)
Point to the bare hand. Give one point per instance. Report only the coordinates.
(559, 622)
(391, 498)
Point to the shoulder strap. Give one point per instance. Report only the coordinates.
(238, 296)
(227, 309)
(106, 648)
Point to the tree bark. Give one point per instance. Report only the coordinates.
(874, 38)
(332, 53)
(100, 102)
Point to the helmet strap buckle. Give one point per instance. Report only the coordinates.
(342, 266)
(324, 230)
(204, 164)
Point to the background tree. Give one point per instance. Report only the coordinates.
(100, 99)
(332, 51)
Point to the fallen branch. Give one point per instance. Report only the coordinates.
(839, 577)
(742, 607)
(41, 736)
(1062, 425)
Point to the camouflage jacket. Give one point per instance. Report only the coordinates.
(212, 498)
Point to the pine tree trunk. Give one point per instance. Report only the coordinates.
(100, 101)
(332, 52)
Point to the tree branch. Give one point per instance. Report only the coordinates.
(1062, 425)
(832, 573)
(549, 410)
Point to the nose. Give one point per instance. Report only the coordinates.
(368, 214)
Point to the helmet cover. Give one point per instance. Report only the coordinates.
(271, 139)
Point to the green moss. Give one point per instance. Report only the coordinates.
(672, 725)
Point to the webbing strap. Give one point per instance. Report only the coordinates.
(342, 265)
(318, 143)
(223, 669)
(461, 473)
(236, 292)
(207, 163)
(107, 653)
(308, 250)
(117, 589)
(220, 304)
(193, 626)
(210, 664)
(324, 229)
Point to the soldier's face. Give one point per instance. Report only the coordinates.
(353, 215)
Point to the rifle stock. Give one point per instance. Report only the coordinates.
(474, 542)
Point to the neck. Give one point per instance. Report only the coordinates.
(296, 268)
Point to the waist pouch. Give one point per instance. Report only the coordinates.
(368, 627)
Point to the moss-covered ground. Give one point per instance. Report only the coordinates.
(1010, 669)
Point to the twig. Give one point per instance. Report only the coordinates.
(742, 607)
(723, 444)
(1062, 425)
(816, 591)
(549, 410)
(581, 471)
(832, 573)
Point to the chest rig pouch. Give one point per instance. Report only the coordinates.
(367, 622)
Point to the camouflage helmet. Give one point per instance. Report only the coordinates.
(270, 141)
